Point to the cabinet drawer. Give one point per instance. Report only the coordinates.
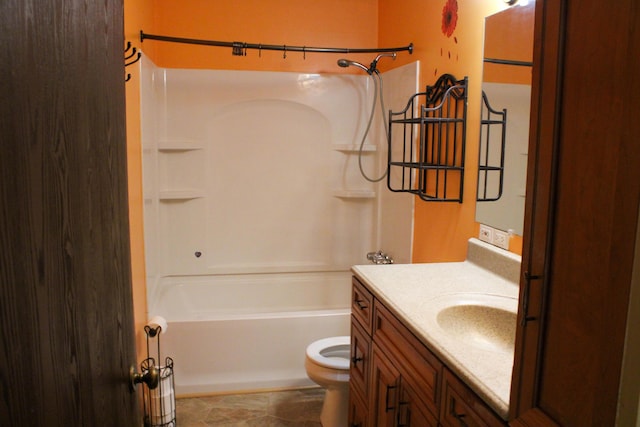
(422, 367)
(362, 305)
(462, 407)
(359, 371)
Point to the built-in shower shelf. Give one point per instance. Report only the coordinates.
(168, 195)
(354, 148)
(354, 194)
(168, 145)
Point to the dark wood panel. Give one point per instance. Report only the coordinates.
(548, 27)
(582, 209)
(66, 318)
(533, 418)
(598, 189)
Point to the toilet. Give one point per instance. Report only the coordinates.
(327, 364)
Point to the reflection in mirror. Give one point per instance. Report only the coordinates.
(493, 133)
(506, 83)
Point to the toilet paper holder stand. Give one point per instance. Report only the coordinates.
(158, 383)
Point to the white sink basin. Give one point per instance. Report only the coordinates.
(483, 321)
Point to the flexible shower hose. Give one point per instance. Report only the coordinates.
(377, 87)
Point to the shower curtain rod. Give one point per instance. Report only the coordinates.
(240, 48)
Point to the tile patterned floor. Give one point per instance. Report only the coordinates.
(300, 408)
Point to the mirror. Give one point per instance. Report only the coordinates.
(504, 139)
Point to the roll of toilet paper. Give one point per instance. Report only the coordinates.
(163, 405)
(158, 321)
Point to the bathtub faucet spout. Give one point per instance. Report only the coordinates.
(379, 258)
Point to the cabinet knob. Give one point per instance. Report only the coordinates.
(355, 360)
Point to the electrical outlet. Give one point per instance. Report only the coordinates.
(486, 233)
(501, 239)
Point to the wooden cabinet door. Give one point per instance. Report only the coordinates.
(360, 358)
(583, 192)
(419, 368)
(358, 410)
(412, 408)
(359, 375)
(385, 382)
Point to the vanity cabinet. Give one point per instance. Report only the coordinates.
(397, 381)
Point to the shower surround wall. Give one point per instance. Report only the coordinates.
(254, 212)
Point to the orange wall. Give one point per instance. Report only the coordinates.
(328, 23)
(137, 14)
(509, 35)
(441, 230)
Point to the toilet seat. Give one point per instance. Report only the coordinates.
(333, 352)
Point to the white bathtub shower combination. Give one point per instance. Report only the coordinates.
(254, 212)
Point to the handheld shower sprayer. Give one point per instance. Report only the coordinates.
(344, 63)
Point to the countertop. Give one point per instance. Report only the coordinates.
(414, 292)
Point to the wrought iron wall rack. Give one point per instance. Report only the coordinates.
(427, 142)
(492, 149)
(240, 48)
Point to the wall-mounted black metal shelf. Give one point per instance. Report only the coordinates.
(492, 149)
(427, 142)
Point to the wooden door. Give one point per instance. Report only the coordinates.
(66, 319)
(582, 208)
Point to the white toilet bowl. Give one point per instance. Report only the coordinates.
(327, 364)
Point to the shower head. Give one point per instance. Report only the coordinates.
(344, 63)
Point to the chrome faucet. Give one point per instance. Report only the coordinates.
(379, 258)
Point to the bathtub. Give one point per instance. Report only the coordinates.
(247, 332)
